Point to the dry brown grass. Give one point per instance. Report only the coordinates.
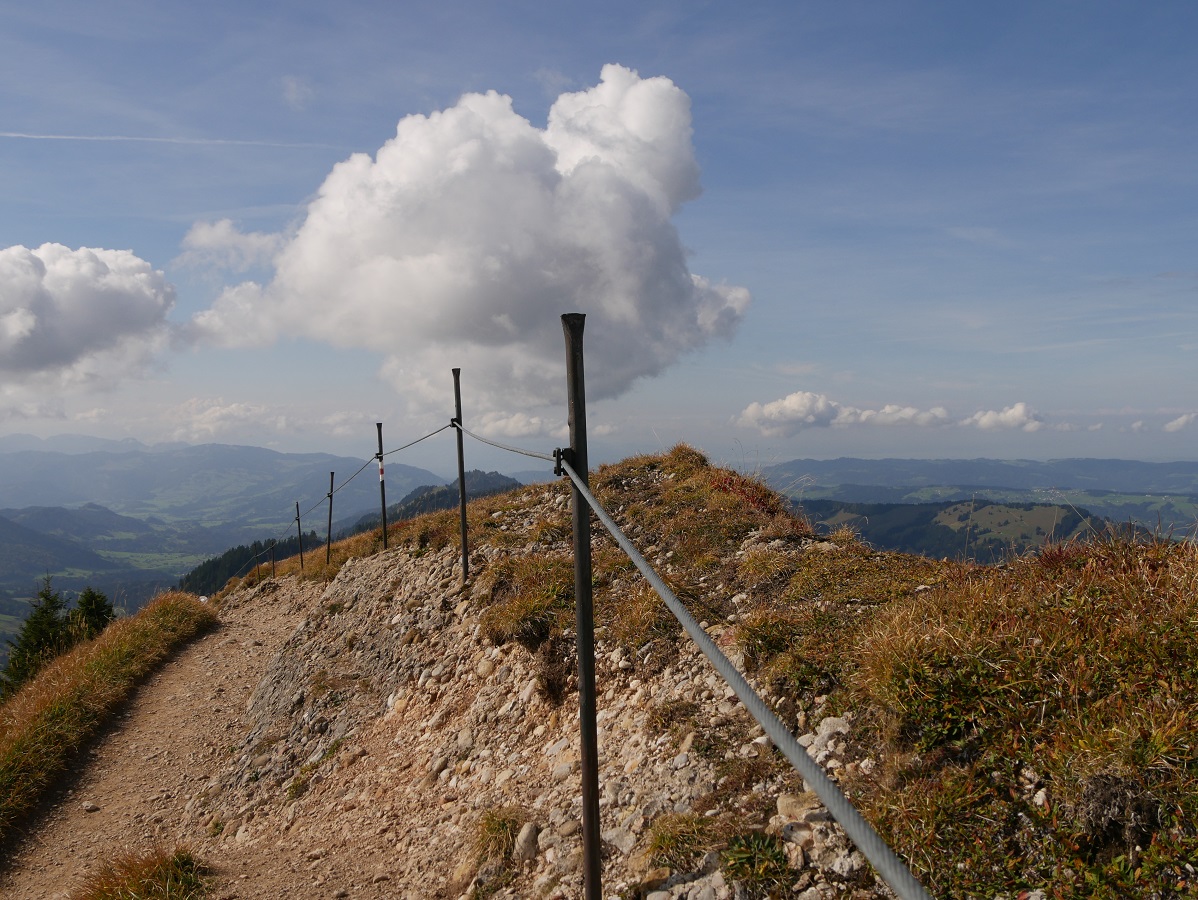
(155, 875)
(1032, 723)
(1079, 665)
(54, 714)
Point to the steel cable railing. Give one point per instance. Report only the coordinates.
(885, 862)
(417, 441)
(482, 440)
(254, 561)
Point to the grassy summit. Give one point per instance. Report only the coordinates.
(1029, 724)
(1015, 727)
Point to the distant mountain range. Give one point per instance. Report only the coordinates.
(1118, 475)
(211, 575)
(1157, 496)
(129, 519)
(977, 530)
(429, 498)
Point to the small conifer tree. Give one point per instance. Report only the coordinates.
(44, 635)
(91, 614)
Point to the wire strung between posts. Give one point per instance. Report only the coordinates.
(545, 456)
(319, 503)
(417, 441)
(888, 865)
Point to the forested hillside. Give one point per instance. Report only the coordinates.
(979, 530)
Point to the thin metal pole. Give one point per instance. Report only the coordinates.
(299, 530)
(457, 405)
(572, 325)
(328, 538)
(382, 484)
(272, 557)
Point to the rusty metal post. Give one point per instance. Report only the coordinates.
(457, 405)
(572, 325)
(328, 538)
(382, 484)
(300, 531)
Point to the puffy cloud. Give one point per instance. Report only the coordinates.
(471, 231)
(1181, 422)
(501, 424)
(1020, 416)
(803, 409)
(77, 317)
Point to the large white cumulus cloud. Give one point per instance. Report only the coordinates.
(71, 317)
(468, 234)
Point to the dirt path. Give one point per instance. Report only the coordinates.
(174, 736)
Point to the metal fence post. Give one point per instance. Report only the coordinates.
(382, 485)
(457, 405)
(572, 325)
(300, 531)
(328, 538)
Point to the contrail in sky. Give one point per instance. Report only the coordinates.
(20, 135)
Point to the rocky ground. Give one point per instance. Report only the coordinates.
(363, 738)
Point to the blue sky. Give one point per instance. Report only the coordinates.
(797, 229)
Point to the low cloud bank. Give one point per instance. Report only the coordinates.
(803, 410)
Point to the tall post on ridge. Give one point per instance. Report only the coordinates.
(457, 406)
(382, 485)
(299, 530)
(328, 538)
(572, 325)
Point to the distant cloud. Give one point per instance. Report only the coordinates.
(149, 139)
(1181, 422)
(296, 92)
(983, 237)
(803, 409)
(77, 318)
(15, 405)
(552, 81)
(1020, 416)
(501, 425)
(466, 236)
(203, 419)
(795, 368)
(219, 245)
